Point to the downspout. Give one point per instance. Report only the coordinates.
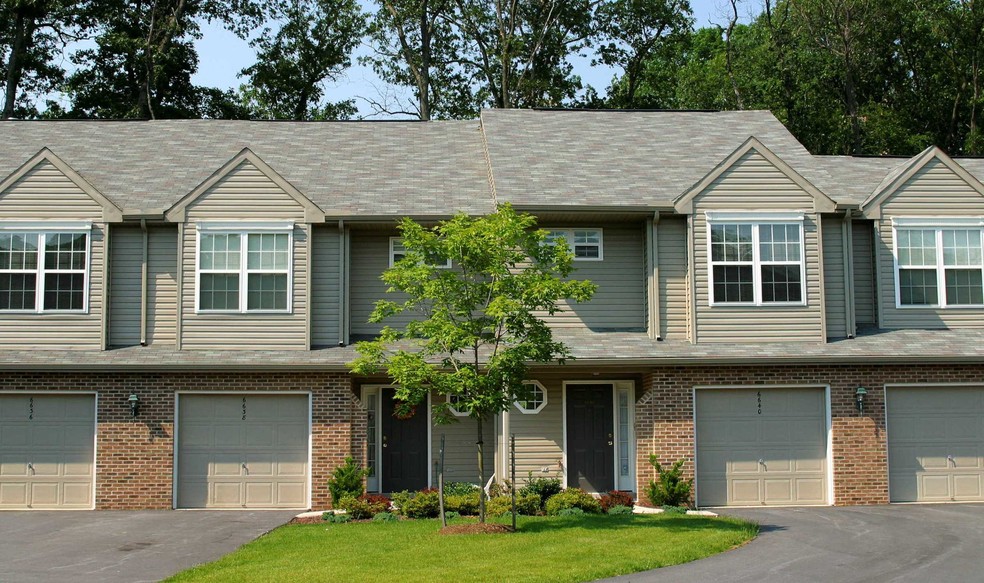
(653, 259)
(847, 231)
(143, 282)
(342, 280)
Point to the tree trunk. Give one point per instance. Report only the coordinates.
(14, 67)
(481, 471)
(423, 80)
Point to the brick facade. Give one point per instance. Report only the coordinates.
(134, 457)
(665, 416)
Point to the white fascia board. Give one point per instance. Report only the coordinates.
(246, 226)
(754, 216)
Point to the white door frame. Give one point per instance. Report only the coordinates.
(625, 384)
(377, 390)
(95, 435)
(175, 447)
(827, 420)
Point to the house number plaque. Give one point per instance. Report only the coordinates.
(244, 408)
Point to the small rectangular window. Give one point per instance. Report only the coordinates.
(44, 271)
(585, 244)
(398, 253)
(244, 271)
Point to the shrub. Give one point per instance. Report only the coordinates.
(364, 506)
(346, 481)
(616, 498)
(333, 518)
(674, 509)
(466, 504)
(423, 504)
(400, 500)
(570, 512)
(542, 487)
(620, 510)
(669, 489)
(503, 488)
(528, 505)
(451, 515)
(460, 489)
(385, 517)
(573, 498)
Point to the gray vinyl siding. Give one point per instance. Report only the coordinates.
(127, 253)
(540, 436)
(865, 313)
(44, 193)
(620, 301)
(368, 259)
(460, 451)
(672, 247)
(933, 191)
(835, 291)
(324, 287)
(245, 194)
(754, 184)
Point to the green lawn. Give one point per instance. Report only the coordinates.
(543, 549)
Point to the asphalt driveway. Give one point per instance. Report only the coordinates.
(119, 546)
(874, 544)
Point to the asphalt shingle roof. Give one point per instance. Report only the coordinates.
(346, 168)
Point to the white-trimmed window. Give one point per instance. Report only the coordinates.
(939, 266)
(586, 244)
(398, 252)
(45, 269)
(244, 269)
(536, 401)
(756, 261)
(454, 406)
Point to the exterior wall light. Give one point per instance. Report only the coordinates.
(859, 399)
(134, 401)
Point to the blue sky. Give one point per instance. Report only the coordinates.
(222, 56)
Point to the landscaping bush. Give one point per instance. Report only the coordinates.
(669, 489)
(616, 498)
(573, 498)
(333, 518)
(528, 505)
(423, 504)
(385, 517)
(674, 509)
(346, 481)
(364, 506)
(503, 488)
(465, 504)
(451, 515)
(542, 487)
(460, 489)
(400, 499)
(620, 510)
(570, 512)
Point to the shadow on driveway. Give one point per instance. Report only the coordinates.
(939, 543)
(122, 546)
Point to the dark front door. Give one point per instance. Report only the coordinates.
(404, 463)
(590, 437)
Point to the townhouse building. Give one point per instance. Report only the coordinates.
(179, 299)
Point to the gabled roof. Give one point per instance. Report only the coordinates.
(621, 158)
(900, 175)
(349, 169)
(822, 203)
(110, 211)
(312, 213)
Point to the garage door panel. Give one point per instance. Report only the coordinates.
(965, 427)
(967, 485)
(196, 435)
(77, 494)
(935, 487)
(13, 494)
(788, 434)
(250, 454)
(44, 494)
(14, 434)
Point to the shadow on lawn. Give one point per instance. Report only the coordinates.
(674, 524)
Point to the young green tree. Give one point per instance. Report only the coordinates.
(478, 326)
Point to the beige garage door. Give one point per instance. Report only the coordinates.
(46, 451)
(242, 451)
(936, 444)
(761, 446)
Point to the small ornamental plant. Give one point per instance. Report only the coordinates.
(573, 498)
(669, 488)
(616, 498)
(346, 481)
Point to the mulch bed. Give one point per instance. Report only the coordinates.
(478, 528)
(307, 520)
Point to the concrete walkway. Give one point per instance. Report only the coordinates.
(117, 546)
(873, 544)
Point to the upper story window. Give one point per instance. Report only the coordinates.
(756, 260)
(586, 244)
(244, 268)
(397, 253)
(44, 270)
(939, 265)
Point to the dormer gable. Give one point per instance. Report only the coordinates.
(257, 179)
(931, 166)
(752, 151)
(46, 187)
